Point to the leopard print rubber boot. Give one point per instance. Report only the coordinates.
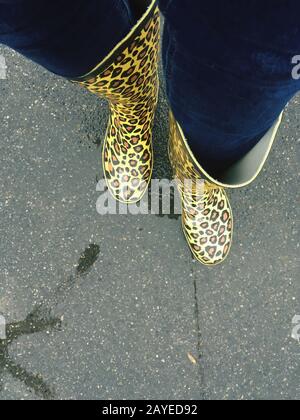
(207, 218)
(128, 79)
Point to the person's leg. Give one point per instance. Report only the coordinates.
(68, 37)
(111, 48)
(228, 67)
(128, 78)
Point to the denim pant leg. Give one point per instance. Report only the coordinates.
(68, 37)
(228, 67)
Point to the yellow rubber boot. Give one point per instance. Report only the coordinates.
(207, 218)
(128, 79)
(206, 213)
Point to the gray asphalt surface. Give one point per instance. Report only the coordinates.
(114, 307)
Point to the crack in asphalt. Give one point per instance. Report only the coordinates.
(199, 339)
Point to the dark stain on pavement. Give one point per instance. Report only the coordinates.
(88, 259)
(39, 320)
(35, 322)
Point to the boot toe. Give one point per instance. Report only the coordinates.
(209, 228)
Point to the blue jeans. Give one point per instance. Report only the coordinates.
(68, 37)
(228, 64)
(228, 67)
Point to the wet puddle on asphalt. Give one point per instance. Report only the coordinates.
(41, 320)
